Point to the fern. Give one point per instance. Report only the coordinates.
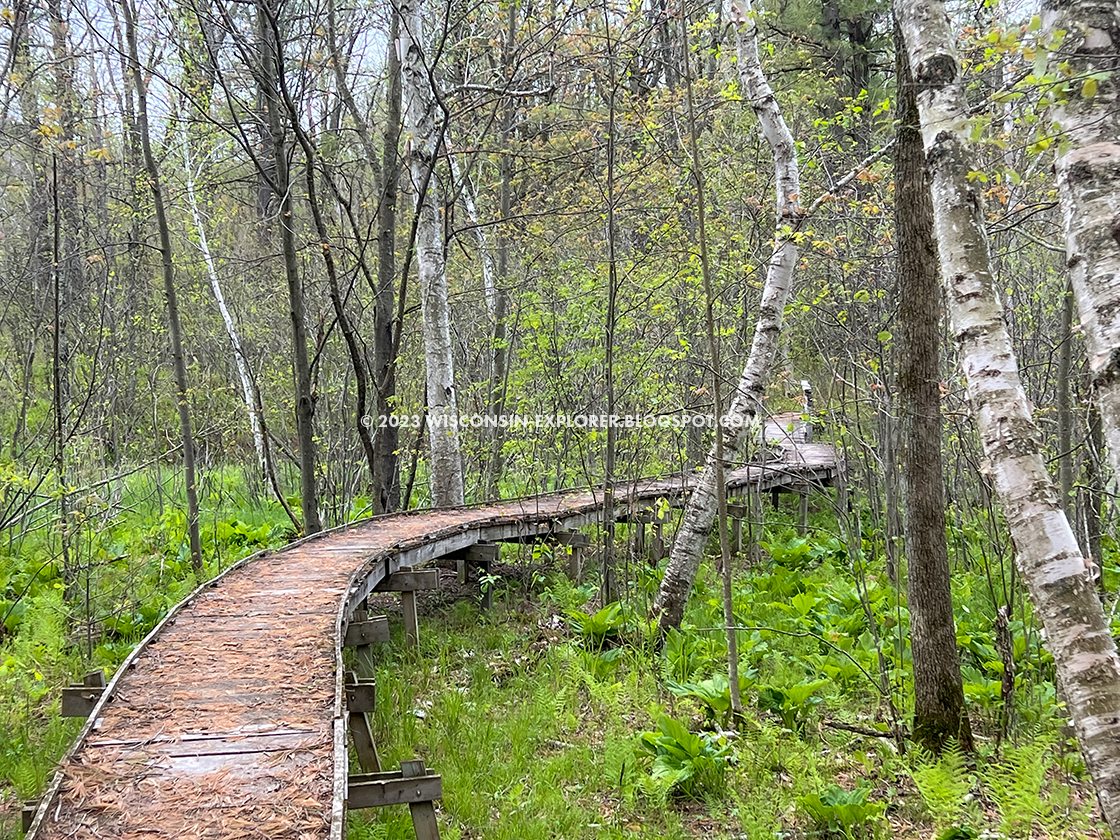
(944, 784)
(1015, 785)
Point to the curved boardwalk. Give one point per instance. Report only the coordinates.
(230, 721)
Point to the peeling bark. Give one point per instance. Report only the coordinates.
(424, 134)
(1077, 631)
(688, 548)
(220, 299)
(1089, 189)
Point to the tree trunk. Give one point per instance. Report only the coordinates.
(684, 561)
(1065, 410)
(387, 483)
(305, 402)
(1049, 560)
(726, 572)
(609, 565)
(499, 368)
(177, 360)
(239, 359)
(349, 335)
(425, 132)
(1088, 182)
(1094, 492)
(939, 710)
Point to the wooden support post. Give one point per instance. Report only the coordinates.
(423, 813)
(361, 634)
(27, 814)
(737, 513)
(481, 556)
(640, 535)
(362, 653)
(575, 563)
(754, 522)
(803, 515)
(485, 585)
(658, 542)
(360, 698)
(411, 621)
(78, 699)
(577, 544)
(361, 695)
(377, 790)
(410, 580)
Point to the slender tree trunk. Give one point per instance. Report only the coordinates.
(69, 576)
(387, 484)
(305, 401)
(1088, 182)
(1077, 631)
(227, 318)
(499, 367)
(177, 361)
(424, 130)
(939, 710)
(349, 335)
(609, 571)
(684, 560)
(726, 572)
(1065, 410)
(1094, 493)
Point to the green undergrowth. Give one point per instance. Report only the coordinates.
(555, 717)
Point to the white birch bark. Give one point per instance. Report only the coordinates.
(219, 298)
(688, 548)
(488, 287)
(1089, 189)
(1077, 632)
(422, 137)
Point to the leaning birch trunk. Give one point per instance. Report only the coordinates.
(220, 299)
(1089, 189)
(1077, 632)
(423, 135)
(700, 514)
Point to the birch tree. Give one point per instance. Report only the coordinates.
(1077, 631)
(423, 126)
(1088, 171)
(220, 300)
(684, 560)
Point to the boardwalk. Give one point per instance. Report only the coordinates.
(230, 719)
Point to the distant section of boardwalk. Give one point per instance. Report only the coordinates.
(231, 719)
